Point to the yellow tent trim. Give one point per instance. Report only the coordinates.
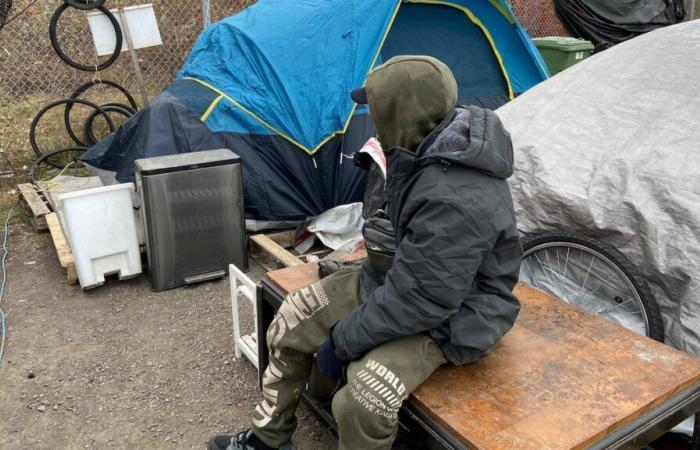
(275, 130)
(247, 111)
(371, 66)
(484, 30)
(211, 107)
(507, 14)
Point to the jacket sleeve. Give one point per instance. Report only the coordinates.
(432, 273)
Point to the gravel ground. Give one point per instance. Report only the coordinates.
(120, 366)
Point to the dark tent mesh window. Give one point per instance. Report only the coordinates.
(449, 35)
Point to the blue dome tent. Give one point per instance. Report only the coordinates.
(272, 84)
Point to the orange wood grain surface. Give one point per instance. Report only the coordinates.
(560, 379)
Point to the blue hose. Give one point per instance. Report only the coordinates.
(3, 324)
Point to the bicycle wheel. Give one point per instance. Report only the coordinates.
(594, 277)
(33, 128)
(70, 154)
(53, 36)
(89, 136)
(82, 89)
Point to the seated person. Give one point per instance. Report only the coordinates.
(446, 297)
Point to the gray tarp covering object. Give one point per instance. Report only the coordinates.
(611, 148)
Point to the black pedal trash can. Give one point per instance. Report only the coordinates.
(193, 217)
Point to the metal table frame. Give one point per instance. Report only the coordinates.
(429, 434)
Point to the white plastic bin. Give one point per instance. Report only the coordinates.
(101, 230)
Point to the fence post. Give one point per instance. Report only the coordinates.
(134, 57)
(206, 14)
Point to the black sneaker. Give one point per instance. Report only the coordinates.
(244, 440)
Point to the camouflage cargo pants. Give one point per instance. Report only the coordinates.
(366, 408)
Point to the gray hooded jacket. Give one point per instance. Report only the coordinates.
(458, 254)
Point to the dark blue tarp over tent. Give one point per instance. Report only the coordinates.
(272, 82)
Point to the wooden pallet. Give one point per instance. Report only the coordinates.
(35, 205)
(65, 255)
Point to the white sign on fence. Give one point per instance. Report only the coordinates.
(142, 24)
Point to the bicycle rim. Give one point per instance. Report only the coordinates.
(585, 278)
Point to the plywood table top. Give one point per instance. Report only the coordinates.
(560, 379)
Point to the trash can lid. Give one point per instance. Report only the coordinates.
(563, 43)
(185, 161)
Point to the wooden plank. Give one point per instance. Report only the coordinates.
(34, 205)
(557, 369)
(276, 251)
(283, 238)
(293, 278)
(65, 255)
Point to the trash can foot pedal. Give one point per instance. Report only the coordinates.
(205, 277)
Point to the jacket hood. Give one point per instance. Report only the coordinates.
(409, 96)
(471, 137)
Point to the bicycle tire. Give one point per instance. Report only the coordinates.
(126, 109)
(45, 109)
(86, 5)
(648, 302)
(84, 88)
(5, 7)
(65, 58)
(88, 133)
(45, 158)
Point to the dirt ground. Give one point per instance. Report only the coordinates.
(120, 366)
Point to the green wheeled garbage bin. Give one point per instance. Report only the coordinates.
(563, 52)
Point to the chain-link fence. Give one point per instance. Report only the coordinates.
(538, 17)
(32, 75)
(29, 65)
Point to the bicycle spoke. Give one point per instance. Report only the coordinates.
(631, 299)
(566, 263)
(532, 276)
(558, 263)
(602, 283)
(588, 272)
(602, 304)
(544, 270)
(550, 265)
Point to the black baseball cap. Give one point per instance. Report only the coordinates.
(359, 96)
